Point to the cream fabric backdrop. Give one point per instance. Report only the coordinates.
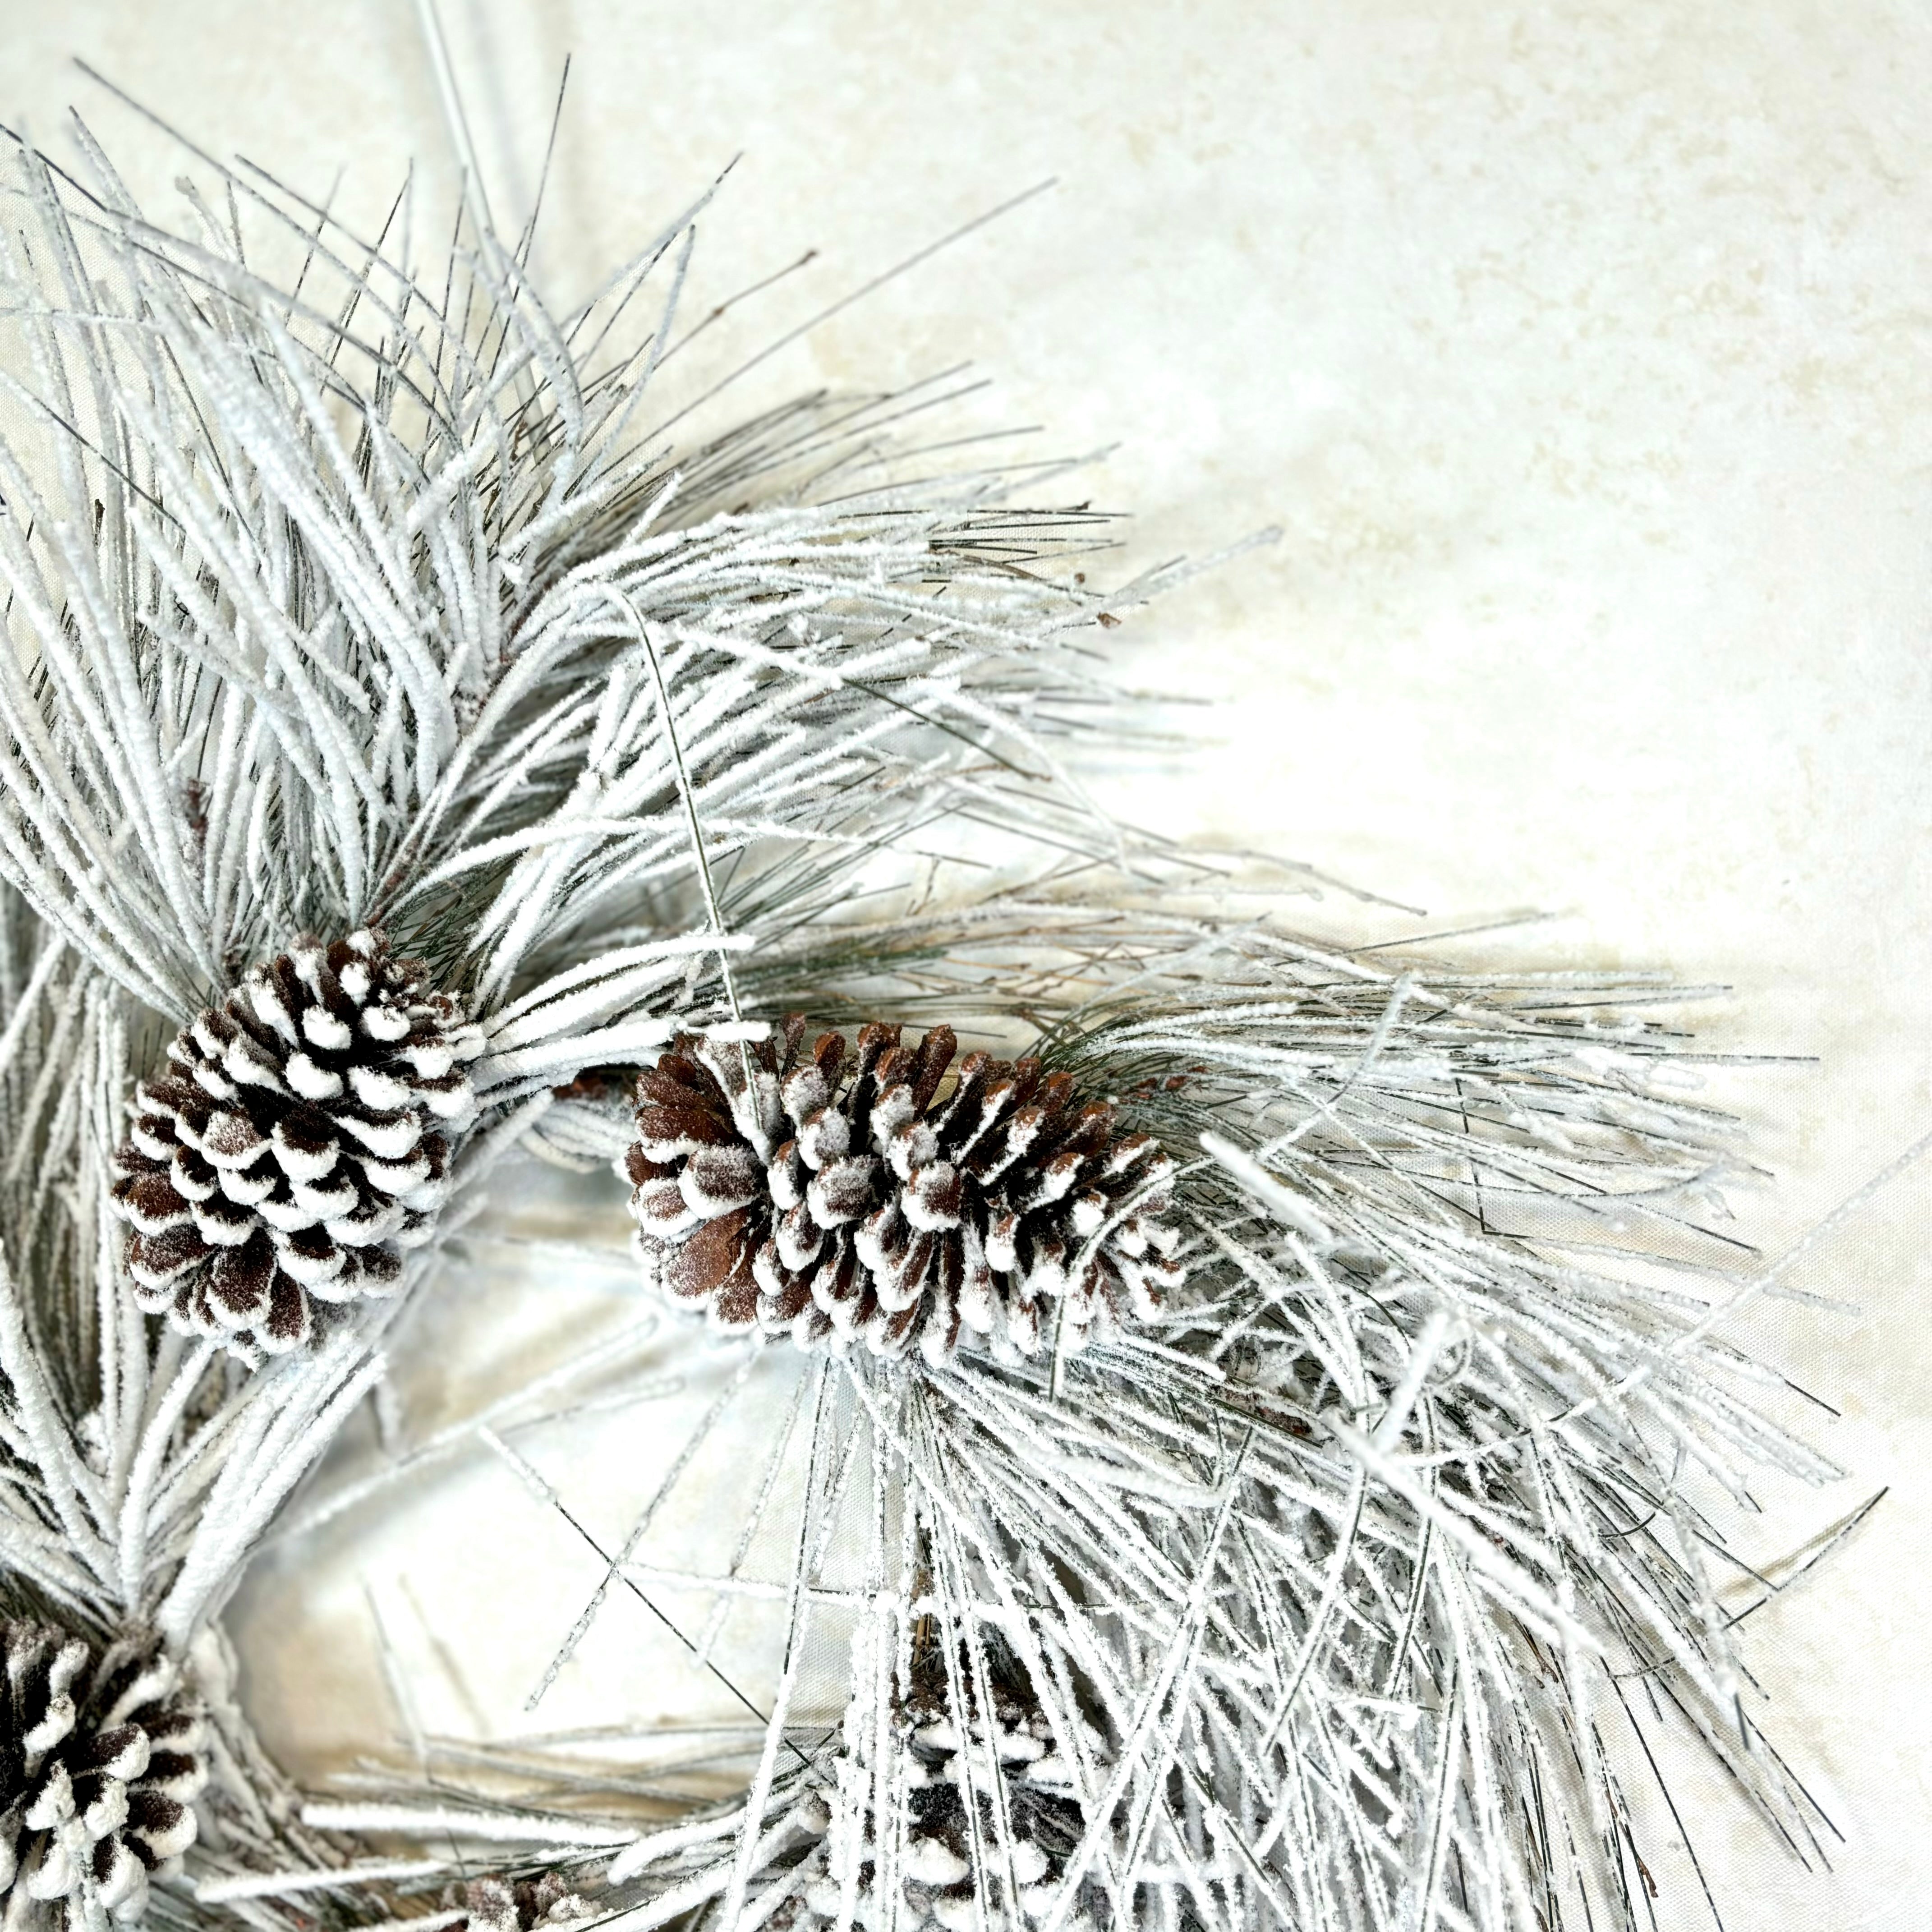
(1584, 355)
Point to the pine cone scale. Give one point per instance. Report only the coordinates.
(706, 1262)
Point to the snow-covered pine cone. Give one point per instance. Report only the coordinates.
(516, 1905)
(100, 1759)
(299, 1142)
(1045, 1819)
(836, 1196)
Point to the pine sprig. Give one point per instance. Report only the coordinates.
(1404, 1485)
(364, 610)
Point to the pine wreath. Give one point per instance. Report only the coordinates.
(1295, 1522)
(836, 1196)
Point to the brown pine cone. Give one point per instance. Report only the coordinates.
(837, 1197)
(518, 1905)
(100, 1757)
(1045, 1819)
(299, 1142)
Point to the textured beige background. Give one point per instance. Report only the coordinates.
(1584, 354)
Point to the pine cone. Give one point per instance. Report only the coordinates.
(100, 1756)
(518, 1905)
(1045, 1819)
(834, 1197)
(300, 1141)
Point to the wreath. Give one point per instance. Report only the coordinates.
(1258, 1408)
